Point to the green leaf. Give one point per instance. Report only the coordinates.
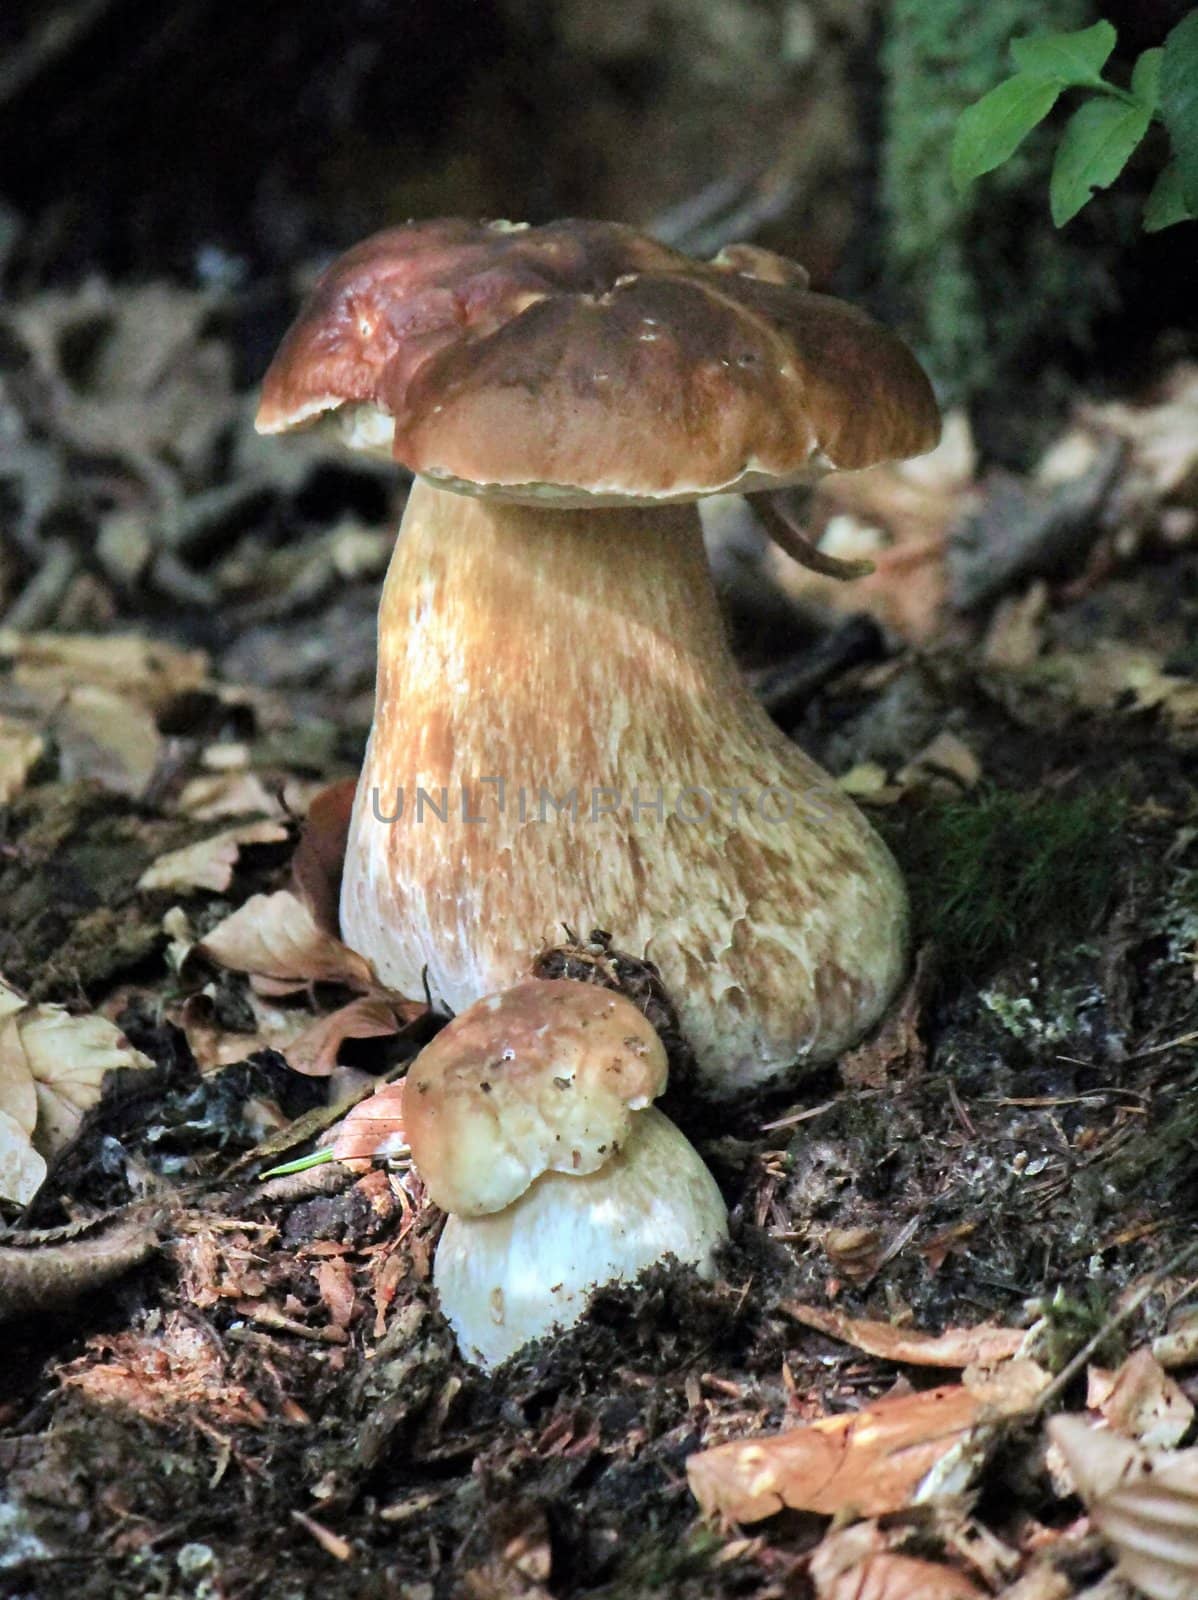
(1099, 137)
(1166, 204)
(990, 131)
(1146, 78)
(1066, 58)
(1179, 101)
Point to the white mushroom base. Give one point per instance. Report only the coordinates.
(512, 1277)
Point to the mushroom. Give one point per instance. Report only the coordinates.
(530, 1120)
(560, 733)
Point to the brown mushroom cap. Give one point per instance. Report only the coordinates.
(585, 363)
(544, 1077)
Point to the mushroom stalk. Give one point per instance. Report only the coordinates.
(561, 736)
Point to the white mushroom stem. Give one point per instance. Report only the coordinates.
(516, 1275)
(561, 722)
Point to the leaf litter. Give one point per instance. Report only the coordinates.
(231, 1365)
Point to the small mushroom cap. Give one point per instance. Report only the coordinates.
(584, 363)
(507, 1279)
(544, 1077)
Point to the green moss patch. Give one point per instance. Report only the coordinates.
(998, 872)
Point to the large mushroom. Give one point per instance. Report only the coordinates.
(530, 1120)
(560, 733)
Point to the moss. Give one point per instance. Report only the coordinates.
(1073, 1319)
(985, 282)
(999, 873)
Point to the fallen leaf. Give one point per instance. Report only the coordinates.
(275, 937)
(1042, 1581)
(895, 1577)
(21, 748)
(373, 1128)
(1163, 437)
(980, 1346)
(1121, 676)
(105, 738)
(213, 795)
(870, 1462)
(210, 863)
(320, 854)
(213, 1046)
(148, 671)
(1141, 1401)
(67, 1059)
(98, 698)
(371, 1016)
(1145, 1503)
(946, 757)
(22, 1170)
(1178, 1346)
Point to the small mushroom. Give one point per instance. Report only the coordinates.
(560, 732)
(530, 1120)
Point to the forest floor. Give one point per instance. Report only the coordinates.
(219, 1386)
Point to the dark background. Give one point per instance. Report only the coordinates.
(227, 141)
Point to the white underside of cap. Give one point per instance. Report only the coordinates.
(571, 497)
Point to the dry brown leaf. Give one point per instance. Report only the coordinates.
(895, 1577)
(371, 1016)
(67, 1058)
(99, 698)
(1042, 1581)
(1163, 437)
(980, 1346)
(1144, 1502)
(316, 865)
(946, 762)
(1114, 674)
(210, 863)
(144, 670)
(213, 795)
(869, 1462)
(1141, 1401)
(275, 1027)
(22, 1170)
(21, 748)
(1178, 1347)
(275, 936)
(106, 738)
(373, 1128)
